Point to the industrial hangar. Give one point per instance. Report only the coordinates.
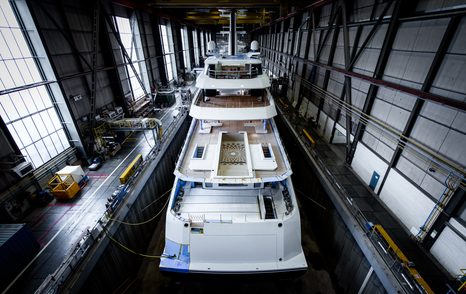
(104, 104)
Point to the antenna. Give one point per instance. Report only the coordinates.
(232, 37)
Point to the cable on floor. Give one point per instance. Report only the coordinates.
(309, 198)
(144, 222)
(156, 199)
(132, 251)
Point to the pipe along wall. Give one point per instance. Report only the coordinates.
(336, 263)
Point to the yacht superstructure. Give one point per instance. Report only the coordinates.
(233, 208)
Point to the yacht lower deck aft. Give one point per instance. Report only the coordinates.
(233, 208)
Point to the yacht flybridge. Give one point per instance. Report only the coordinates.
(233, 208)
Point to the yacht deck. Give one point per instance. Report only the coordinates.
(261, 168)
(233, 101)
(200, 204)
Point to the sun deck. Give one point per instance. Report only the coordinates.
(233, 101)
(263, 154)
(247, 104)
(233, 74)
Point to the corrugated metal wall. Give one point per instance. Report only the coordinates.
(415, 145)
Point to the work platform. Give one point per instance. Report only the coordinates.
(358, 205)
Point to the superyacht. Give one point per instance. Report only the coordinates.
(232, 208)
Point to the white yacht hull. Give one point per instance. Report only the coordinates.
(232, 245)
(233, 208)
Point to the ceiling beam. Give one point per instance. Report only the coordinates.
(213, 4)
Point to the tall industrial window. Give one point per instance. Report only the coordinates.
(196, 48)
(185, 44)
(168, 51)
(202, 44)
(131, 39)
(26, 104)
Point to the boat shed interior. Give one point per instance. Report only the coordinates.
(370, 98)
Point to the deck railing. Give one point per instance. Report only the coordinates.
(232, 74)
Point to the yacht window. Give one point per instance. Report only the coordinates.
(266, 151)
(27, 107)
(232, 185)
(199, 152)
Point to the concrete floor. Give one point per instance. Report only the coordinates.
(61, 224)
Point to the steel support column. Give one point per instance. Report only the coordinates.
(426, 86)
(338, 113)
(95, 53)
(306, 53)
(281, 45)
(333, 46)
(158, 49)
(312, 73)
(123, 50)
(347, 85)
(204, 36)
(378, 73)
(350, 60)
(356, 41)
(108, 57)
(178, 46)
(191, 46)
(145, 46)
(76, 53)
(199, 46)
(296, 50)
(374, 9)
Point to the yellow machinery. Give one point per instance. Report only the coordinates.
(99, 132)
(283, 104)
(64, 189)
(129, 171)
(404, 260)
(309, 137)
(138, 124)
(135, 123)
(462, 279)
